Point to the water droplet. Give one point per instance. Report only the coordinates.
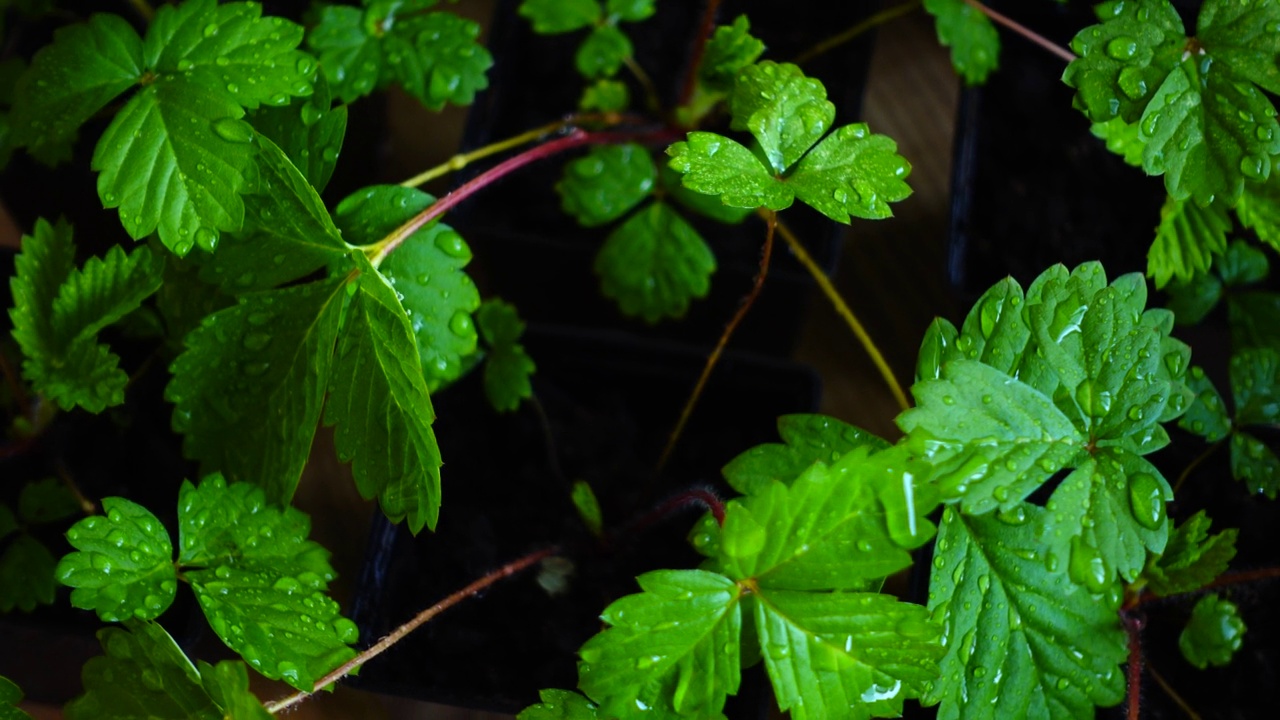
(1016, 515)
(1122, 48)
(1255, 167)
(210, 30)
(289, 672)
(233, 129)
(256, 341)
(223, 571)
(1146, 499)
(1087, 567)
(329, 154)
(1094, 402)
(452, 244)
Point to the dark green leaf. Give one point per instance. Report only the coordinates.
(1192, 301)
(605, 96)
(852, 172)
(8, 523)
(1254, 316)
(672, 648)
(1214, 633)
(46, 261)
(712, 164)
(1255, 463)
(46, 501)
(11, 695)
(1207, 416)
(730, 48)
(785, 111)
(228, 686)
(1243, 264)
(1034, 644)
(26, 575)
(560, 705)
(309, 131)
(454, 63)
(378, 400)
(1192, 559)
(1255, 385)
(507, 367)
(550, 17)
(806, 439)
(974, 42)
(654, 264)
(124, 564)
(1122, 138)
(584, 501)
(1187, 240)
(605, 184)
(1123, 61)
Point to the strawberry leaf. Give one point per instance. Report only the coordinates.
(123, 564)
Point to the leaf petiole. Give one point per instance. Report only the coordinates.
(880, 18)
(1023, 30)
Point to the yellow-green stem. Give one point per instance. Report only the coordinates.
(650, 92)
(876, 20)
(143, 8)
(1173, 694)
(843, 310)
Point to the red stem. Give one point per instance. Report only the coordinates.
(1133, 627)
(693, 496)
(1024, 31)
(1224, 580)
(699, 48)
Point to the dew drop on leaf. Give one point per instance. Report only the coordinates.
(1087, 567)
(1146, 499)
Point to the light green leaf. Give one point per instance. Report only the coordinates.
(309, 132)
(1187, 240)
(1192, 559)
(673, 648)
(507, 367)
(729, 50)
(806, 439)
(1122, 138)
(143, 674)
(550, 17)
(46, 501)
(1214, 633)
(852, 655)
(1207, 416)
(560, 705)
(1035, 644)
(974, 42)
(852, 172)
(1255, 463)
(785, 111)
(378, 400)
(1255, 384)
(603, 52)
(605, 96)
(588, 507)
(124, 565)
(26, 575)
(1259, 209)
(712, 164)
(654, 264)
(249, 388)
(606, 183)
(11, 695)
(228, 686)
(629, 10)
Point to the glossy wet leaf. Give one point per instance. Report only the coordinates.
(46, 501)
(655, 264)
(507, 366)
(708, 206)
(1255, 384)
(228, 686)
(249, 388)
(1254, 462)
(806, 439)
(606, 183)
(605, 96)
(1207, 416)
(10, 696)
(1022, 640)
(26, 575)
(852, 172)
(672, 648)
(974, 42)
(309, 131)
(1259, 209)
(1187, 240)
(1213, 634)
(603, 52)
(560, 705)
(123, 564)
(729, 49)
(712, 164)
(1192, 559)
(378, 400)
(550, 17)
(785, 111)
(1122, 138)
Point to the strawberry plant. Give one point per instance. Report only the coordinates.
(1030, 482)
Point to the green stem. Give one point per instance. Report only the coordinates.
(1023, 30)
(650, 92)
(143, 8)
(876, 20)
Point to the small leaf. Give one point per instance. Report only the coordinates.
(785, 111)
(1192, 559)
(806, 439)
(605, 96)
(588, 507)
(560, 705)
(629, 10)
(11, 695)
(1207, 416)
(1122, 138)
(46, 501)
(1253, 319)
(228, 686)
(607, 183)
(974, 42)
(26, 576)
(603, 52)
(730, 49)
(550, 17)
(507, 366)
(852, 172)
(124, 567)
(1242, 264)
(672, 648)
(1187, 240)
(1255, 384)
(1213, 634)
(655, 264)
(1255, 463)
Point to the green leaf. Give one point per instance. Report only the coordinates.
(71, 79)
(712, 164)
(143, 674)
(1253, 318)
(560, 705)
(853, 655)
(1213, 634)
(550, 17)
(852, 172)
(11, 695)
(1207, 416)
(606, 183)
(1255, 384)
(708, 206)
(1259, 209)
(655, 264)
(507, 367)
(605, 96)
(806, 439)
(1122, 138)
(228, 686)
(1034, 644)
(603, 52)
(785, 111)
(1187, 239)
(1194, 300)
(1255, 463)
(427, 272)
(124, 564)
(673, 648)
(974, 42)
(629, 10)
(378, 400)
(249, 388)
(588, 507)
(26, 575)
(1192, 559)
(309, 132)
(730, 49)
(46, 501)
(1243, 264)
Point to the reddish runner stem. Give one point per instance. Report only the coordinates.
(705, 28)
(693, 496)
(1024, 31)
(1133, 628)
(1224, 580)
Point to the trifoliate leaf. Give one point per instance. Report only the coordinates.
(603, 52)
(852, 172)
(1034, 644)
(124, 564)
(287, 233)
(588, 507)
(26, 576)
(550, 17)
(1259, 209)
(11, 695)
(629, 10)
(1255, 384)
(974, 42)
(507, 367)
(1253, 318)
(560, 705)
(310, 132)
(427, 272)
(730, 49)
(843, 542)
(715, 165)
(249, 388)
(143, 674)
(1213, 634)
(1207, 416)
(606, 183)
(434, 56)
(1122, 138)
(1187, 240)
(853, 655)
(673, 648)
(46, 501)
(228, 686)
(378, 400)
(655, 264)
(1192, 559)
(605, 96)
(785, 111)
(806, 439)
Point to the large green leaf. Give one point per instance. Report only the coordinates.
(1022, 640)
(806, 439)
(673, 648)
(974, 42)
(1187, 239)
(123, 564)
(655, 264)
(716, 165)
(606, 183)
(852, 173)
(507, 366)
(1192, 559)
(1213, 634)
